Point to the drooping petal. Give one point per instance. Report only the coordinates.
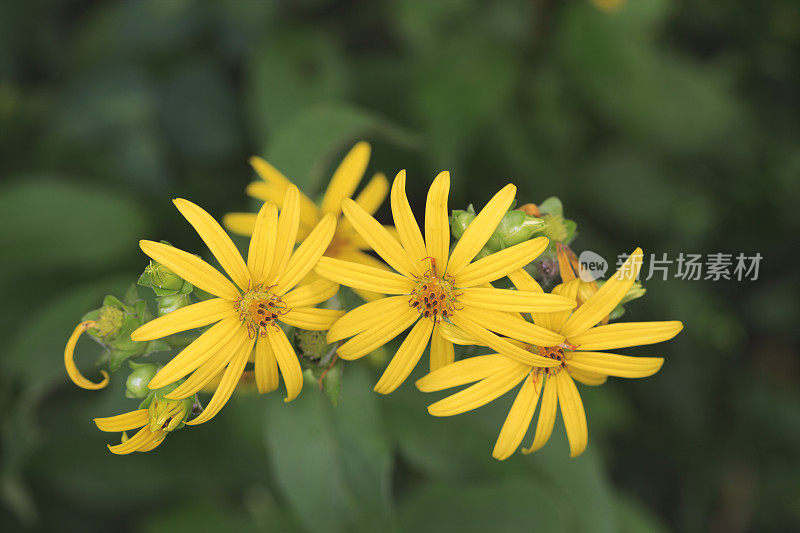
(239, 223)
(547, 414)
(158, 438)
(437, 225)
(406, 357)
(407, 227)
(518, 419)
(480, 229)
(364, 277)
(390, 327)
(311, 318)
(123, 422)
(319, 290)
(480, 393)
(287, 361)
(266, 367)
(379, 239)
(514, 301)
(217, 240)
(69, 360)
(606, 298)
(191, 268)
(367, 316)
(442, 353)
(466, 371)
(573, 414)
(622, 366)
(189, 317)
(499, 264)
(625, 334)
(511, 326)
(261, 253)
(142, 438)
(288, 223)
(346, 178)
(374, 193)
(307, 254)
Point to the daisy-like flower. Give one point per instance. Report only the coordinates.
(346, 243)
(247, 311)
(576, 358)
(432, 286)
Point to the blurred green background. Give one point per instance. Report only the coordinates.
(670, 125)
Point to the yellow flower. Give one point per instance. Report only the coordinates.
(346, 243)
(576, 358)
(433, 285)
(161, 417)
(246, 312)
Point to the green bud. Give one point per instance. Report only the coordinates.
(552, 206)
(312, 345)
(167, 414)
(459, 221)
(136, 384)
(163, 281)
(516, 227)
(168, 304)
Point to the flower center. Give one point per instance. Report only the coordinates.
(434, 296)
(559, 352)
(259, 308)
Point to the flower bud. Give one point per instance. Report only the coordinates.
(136, 384)
(163, 281)
(516, 227)
(637, 290)
(312, 345)
(170, 303)
(459, 221)
(166, 414)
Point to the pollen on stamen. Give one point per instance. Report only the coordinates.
(259, 308)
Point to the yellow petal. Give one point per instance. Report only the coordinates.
(217, 240)
(499, 264)
(547, 414)
(346, 178)
(185, 318)
(367, 316)
(288, 223)
(266, 367)
(467, 371)
(611, 364)
(311, 318)
(480, 393)
(287, 361)
(437, 225)
(158, 438)
(374, 193)
(69, 360)
(442, 353)
(587, 378)
(512, 326)
(124, 422)
(390, 327)
(514, 301)
(480, 229)
(357, 256)
(518, 419)
(267, 192)
(525, 282)
(269, 173)
(307, 254)
(554, 321)
(198, 352)
(191, 268)
(606, 298)
(573, 414)
(225, 388)
(407, 227)
(406, 357)
(624, 334)
(261, 253)
(364, 277)
(379, 239)
(313, 293)
(455, 334)
(144, 437)
(240, 223)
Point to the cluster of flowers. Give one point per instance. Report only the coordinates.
(443, 293)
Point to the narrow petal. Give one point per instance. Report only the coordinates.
(142, 438)
(514, 301)
(158, 438)
(586, 377)
(455, 334)
(406, 357)
(269, 192)
(374, 193)
(390, 327)
(437, 225)
(346, 178)
(442, 353)
(573, 414)
(217, 240)
(511, 326)
(311, 318)
(480, 229)
(525, 282)
(379, 239)
(467, 371)
(261, 253)
(547, 414)
(518, 419)
(239, 223)
(407, 227)
(269, 173)
(622, 366)
(606, 298)
(288, 223)
(364, 277)
(499, 264)
(191, 268)
(480, 393)
(69, 360)
(624, 334)
(367, 316)
(189, 317)
(357, 256)
(124, 422)
(318, 291)
(555, 321)
(287, 361)
(198, 352)
(225, 388)
(307, 254)
(266, 367)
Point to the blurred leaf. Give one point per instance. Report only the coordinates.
(633, 518)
